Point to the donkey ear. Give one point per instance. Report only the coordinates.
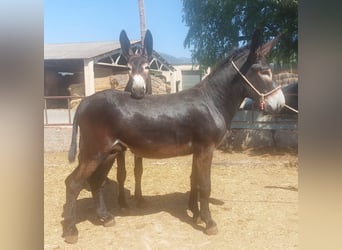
(256, 42)
(148, 43)
(125, 45)
(266, 48)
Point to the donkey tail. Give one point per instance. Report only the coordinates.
(73, 145)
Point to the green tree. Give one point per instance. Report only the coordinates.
(218, 26)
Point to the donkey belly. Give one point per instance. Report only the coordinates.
(159, 144)
(159, 151)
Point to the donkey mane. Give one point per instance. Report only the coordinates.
(234, 55)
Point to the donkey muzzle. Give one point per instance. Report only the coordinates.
(275, 101)
(138, 87)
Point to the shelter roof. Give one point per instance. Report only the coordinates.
(65, 56)
(79, 50)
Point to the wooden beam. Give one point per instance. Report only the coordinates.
(112, 65)
(173, 82)
(117, 59)
(89, 82)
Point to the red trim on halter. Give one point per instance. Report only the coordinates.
(262, 105)
(262, 102)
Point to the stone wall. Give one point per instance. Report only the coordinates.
(57, 139)
(243, 139)
(285, 78)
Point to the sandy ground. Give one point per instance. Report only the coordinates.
(254, 202)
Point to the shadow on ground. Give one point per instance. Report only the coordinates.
(174, 203)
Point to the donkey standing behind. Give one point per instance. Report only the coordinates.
(138, 85)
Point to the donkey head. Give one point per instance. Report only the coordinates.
(139, 82)
(258, 73)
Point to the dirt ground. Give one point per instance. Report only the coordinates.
(254, 201)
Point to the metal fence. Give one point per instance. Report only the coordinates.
(58, 110)
(243, 119)
(254, 119)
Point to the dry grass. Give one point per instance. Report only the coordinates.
(254, 202)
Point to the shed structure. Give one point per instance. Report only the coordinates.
(94, 58)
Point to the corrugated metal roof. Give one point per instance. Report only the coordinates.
(79, 50)
(66, 54)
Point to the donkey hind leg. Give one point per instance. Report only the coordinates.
(121, 177)
(202, 163)
(74, 184)
(97, 181)
(138, 171)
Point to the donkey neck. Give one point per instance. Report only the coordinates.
(225, 89)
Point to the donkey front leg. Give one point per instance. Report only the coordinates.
(202, 163)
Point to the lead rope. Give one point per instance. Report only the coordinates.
(262, 96)
(290, 108)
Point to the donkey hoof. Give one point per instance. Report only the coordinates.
(70, 233)
(108, 221)
(71, 239)
(211, 230)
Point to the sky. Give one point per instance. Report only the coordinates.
(68, 21)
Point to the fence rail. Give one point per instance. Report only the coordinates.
(254, 119)
(243, 119)
(58, 110)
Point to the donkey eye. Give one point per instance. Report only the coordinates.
(147, 67)
(266, 72)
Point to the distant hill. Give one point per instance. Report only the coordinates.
(176, 60)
